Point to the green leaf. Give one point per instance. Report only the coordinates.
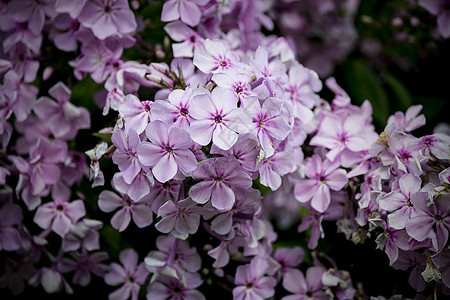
(399, 91)
(83, 93)
(363, 83)
(112, 237)
(104, 136)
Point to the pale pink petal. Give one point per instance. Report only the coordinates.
(321, 200)
(121, 219)
(165, 169)
(109, 201)
(222, 197)
(223, 137)
(142, 215)
(201, 192)
(305, 190)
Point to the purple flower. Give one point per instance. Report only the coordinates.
(173, 258)
(269, 123)
(220, 176)
(251, 282)
(305, 288)
(190, 40)
(16, 274)
(173, 289)
(63, 118)
(391, 241)
(59, 215)
(408, 259)
(338, 135)
(10, 215)
(238, 82)
(216, 58)
(289, 258)
(126, 155)
(136, 113)
(271, 169)
(83, 265)
(84, 235)
(312, 221)
(323, 176)
(138, 188)
(399, 202)
(217, 117)
(168, 151)
(130, 274)
(186, 10)
(433, 222)
(245, 150)
(437, 145)
(181, 218)
(108, 17)
(176, 109)
(140, 211)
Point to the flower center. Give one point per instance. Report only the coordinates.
(107, 9)
(59, 208)
(184, 112)
(322, 179)
(166, 185)
(404, 156)
(223, 63)
(239, 90)
(439, 218)
(428, 142)
(218, 119)
(169, 149)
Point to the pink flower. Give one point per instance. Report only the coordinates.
(140, 211)
(108, 17)
(187, 10)
(136, 113)
(126, 155)
(323, 176)
(130, 274)
(181, 218)
(269, 123)
(190, 40)
(220, 176)
(217, 117)
(337, 135)
(168, 151)
(398, 202)
(251, 282)
(305, 288)
(59, 215)
(216, 58)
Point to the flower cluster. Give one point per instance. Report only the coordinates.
(211, 147)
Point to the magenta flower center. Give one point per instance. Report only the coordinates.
(404, 155)
(147, 107)
(107, 9)
(184, 112)
(322, 179)
(223, 63)
(218, 119)
(239, 90)
(428, 142)
(169, 149)
(59, 208)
